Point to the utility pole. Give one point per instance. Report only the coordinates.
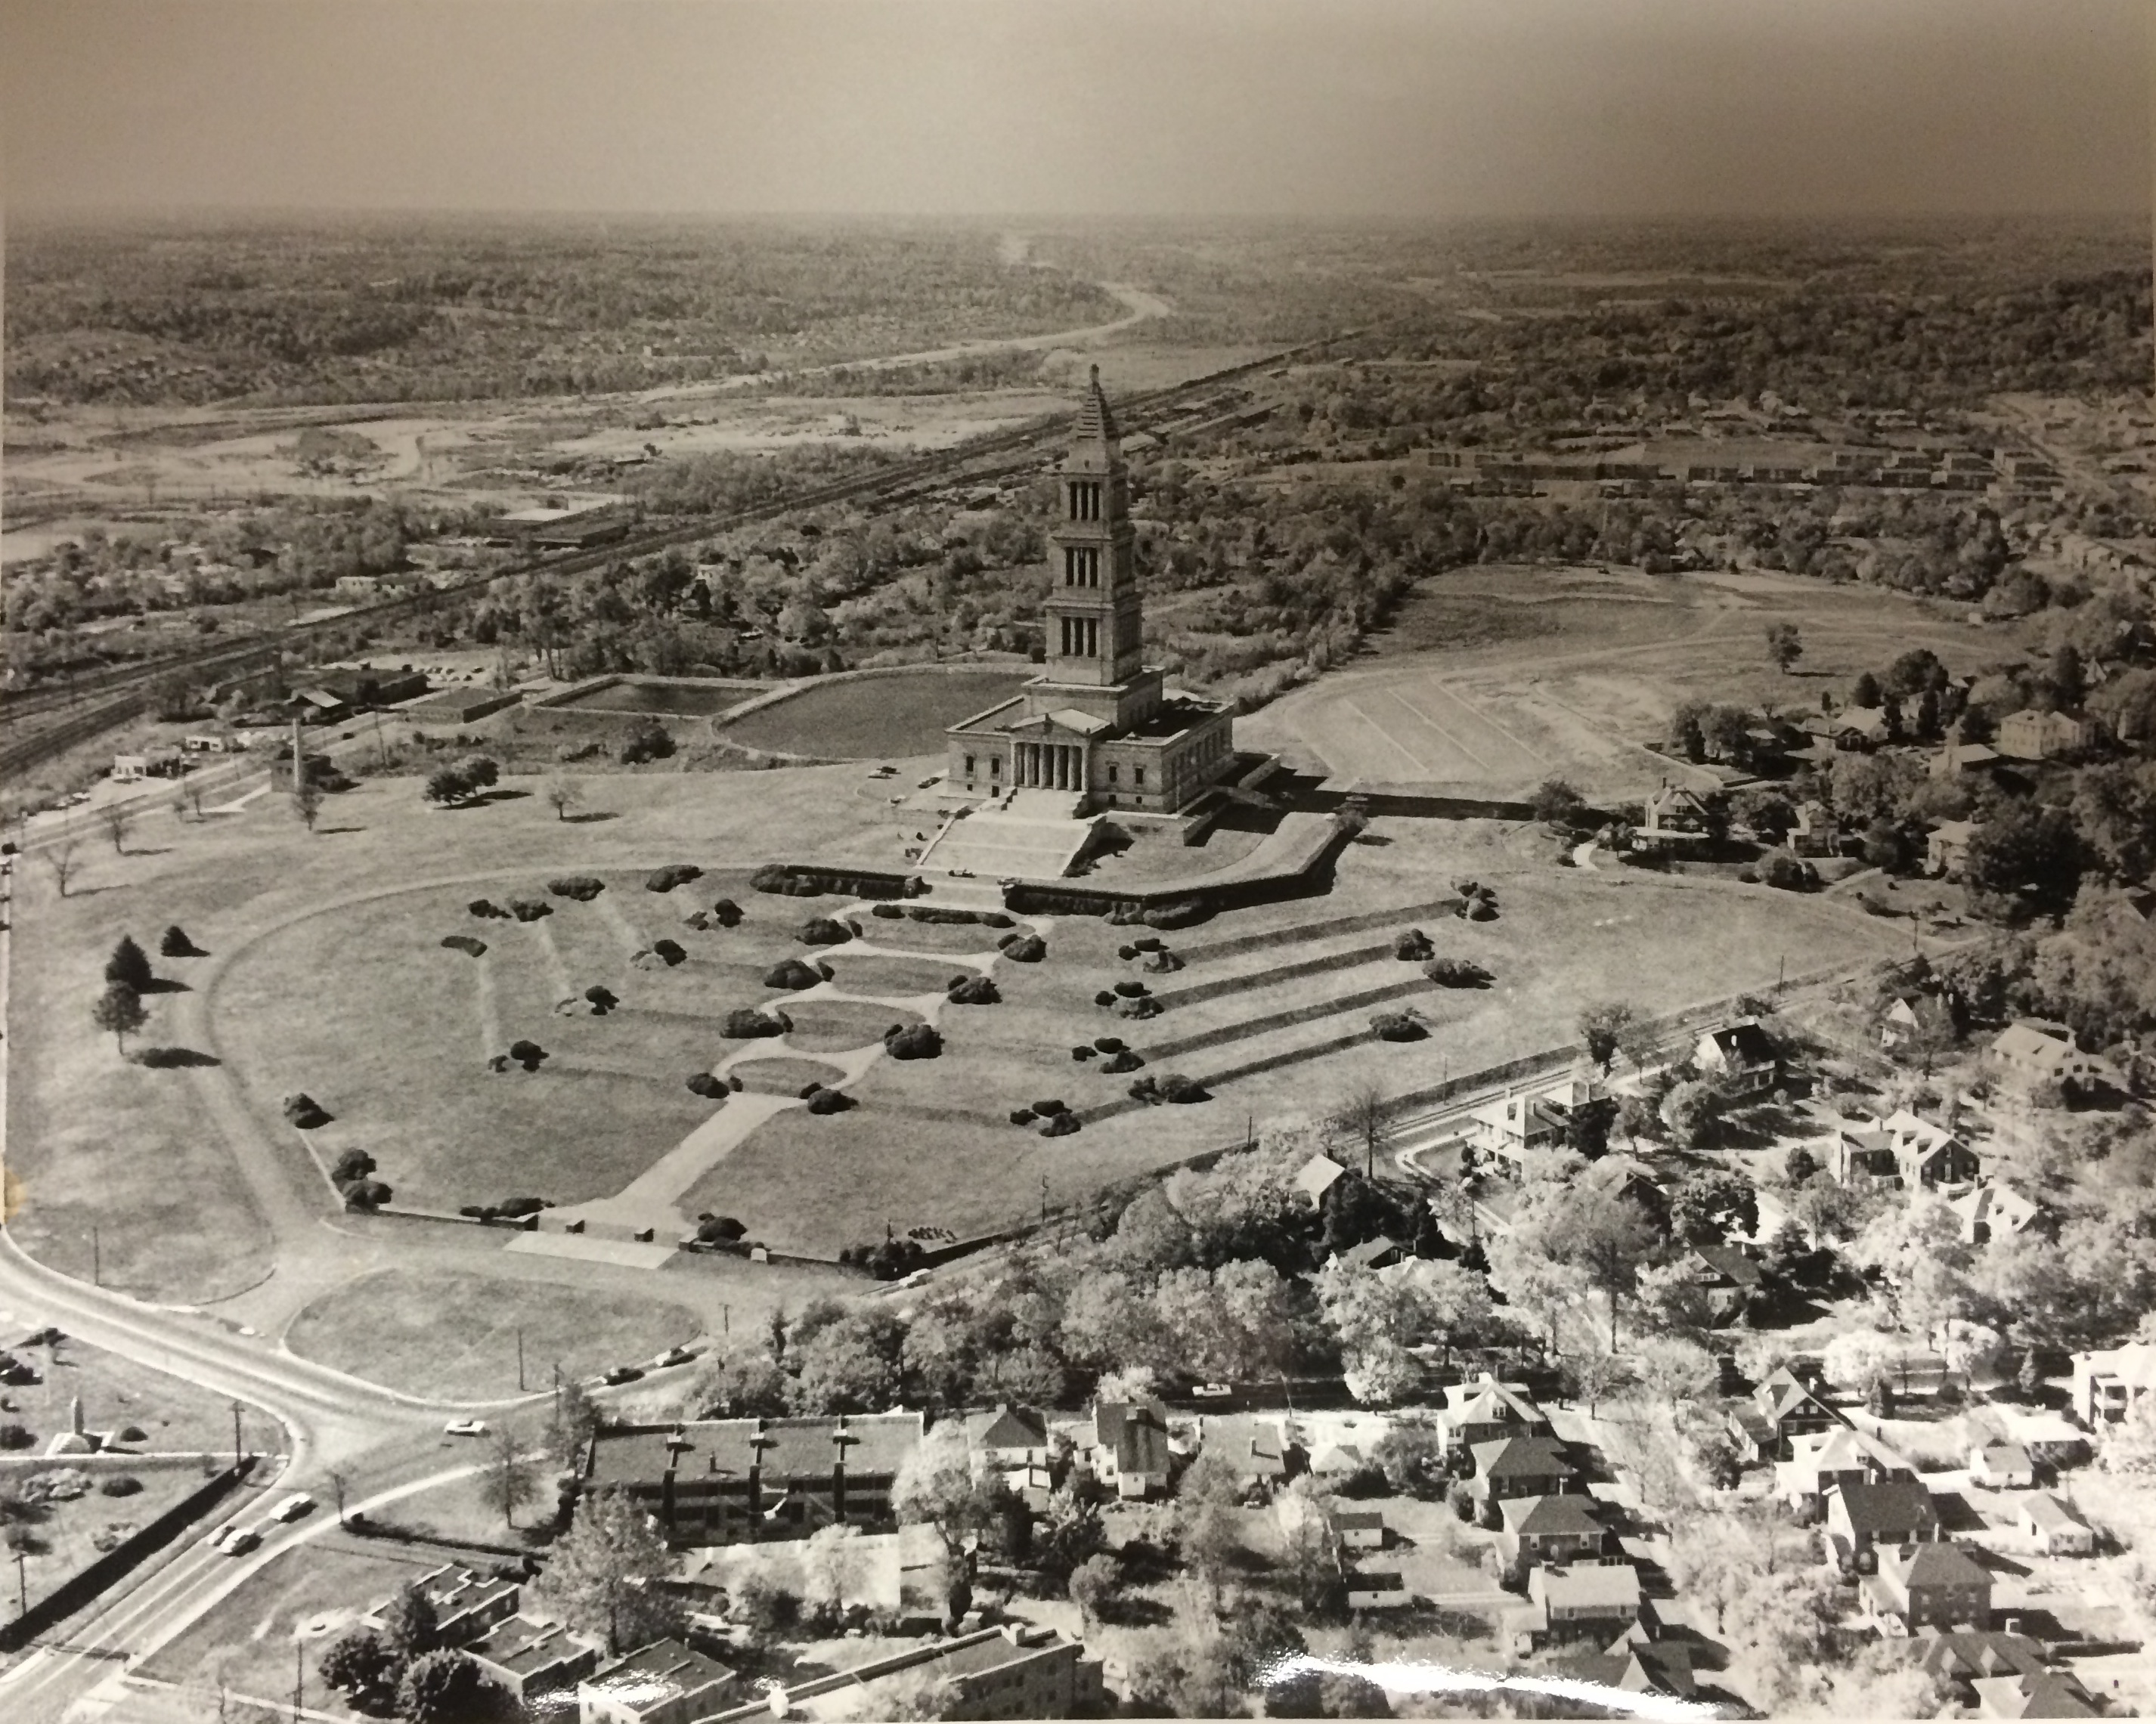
(1043, 1200)
(558, 1391)
(520, 1358)
(235, 1434)
(22, 1586)
(299, 1677)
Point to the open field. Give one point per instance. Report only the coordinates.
(389, 1328)
(875, 717)
(1566, 672)
(672, 698)
(176, 1416)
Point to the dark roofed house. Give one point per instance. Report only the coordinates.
(1660, 1667)
(742, 1481)
(1551, 1529)
(1520, 1466)
(1928, 1586)
(1379, 1253)
(1127, 1447)
(1885, 1511)
(1728, 1274)
(2041, 1694)
(1255, 1445)
(1741, 1054)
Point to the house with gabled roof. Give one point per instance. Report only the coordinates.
(1488, 1411)
(1959, 1656)
(2001, 1466)
(1378, 1253)
(1620, 1175)
(1255, 1445)
(1887, 1511)
(1662, 1667)
(1674, 815)
(1993, 1211)
(1730, 1274)
(2055, 1526)
(1318, 1176)
(1945, 848)
(1817, 832)
(1597, 1601)
(2032, 1051)
(1741, 1055)
(1855, 728)
(1934, 1585)
(1904, 1149)
(1824, 1461)
(1781, 1408)
(1125, 1445)
(2109, 1380)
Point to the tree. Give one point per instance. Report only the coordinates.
(1603, 1027)
(119, 1009)
(410, 1626)
(1208, 1537)
(1364, 1118)
(1865, 692)
(1376, 1322)
(833, 1563)
(1593, 1377)
(576, 1420)
(508, 1483)
(1555, 803)
(447, 785)
(1094, 1585)
(738, 1382)
(358, 1664)
(1411, 1456)
(1672, 1370)
(447, 1687)
(597, 1574)
(307, 802)
(2025, 852)
(1707, 1209)
(176, 944)
(1671, 1302)
(116, 817)
(129, 966)
(1610, 1239)
(562, 794)
(1785, 645)
(62, 858)
(935, 1487)
(1691, 1111)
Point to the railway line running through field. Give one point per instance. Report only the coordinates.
(41, 723)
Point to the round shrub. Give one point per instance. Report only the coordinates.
(15, 1436)
(530, 909)
(791, 975)
(745, 1022)
(131, 1433)
(647, 740)
(304, 1112)
(1148, 942)
(670, 953)
(603, 999)
(1127, 1060)
(1106, 997)
(1143, 1006)
(1161, 962)
(726, 913)
(1045, 1108)
(823, 930)
(673, 875)
(522, 1206)
(1026, 949)
(1083, 1051)
(352, 1164)
(1787, 872)
(916, 1041)
(465, 944)
(1130, 989)
(1060, 1124)
(997, 919)
(830, 1102)
(1110, 1044)
(120, 1484)
(734, 1084)
(888, 912)
(484, 906)
(1021, 1116)
(1398, 1027)
(1456, 973)
(1482, 909)
(973, 991)
(702, 1083)
(1126, 952)
(526, 1053)
(713, 1228)
(365, 1194)
(582, 887)
(1176, 1088)
(1412, 947)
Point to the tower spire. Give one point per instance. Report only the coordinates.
(1095, 421)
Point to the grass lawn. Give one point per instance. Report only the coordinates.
(177, 1416)
(433, 1333)
(875, 717)
(308, 1596)
(65, 1539)
(781, 1076)
(835, 1026)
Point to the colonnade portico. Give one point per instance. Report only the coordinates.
(1048, 766)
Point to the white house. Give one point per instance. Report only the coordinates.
(2054, 1526)
(2001, 1466)
(1993, 1212)
(2032, 1051)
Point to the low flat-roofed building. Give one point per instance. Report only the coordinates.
(664, 1683)
(1015, 1671)
(466, 1603)
(528, 1657)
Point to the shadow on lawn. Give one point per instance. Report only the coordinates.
(173, 1059)
(587, 819)
(166, 984)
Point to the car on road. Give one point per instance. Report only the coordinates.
(1212, 1392)
(465, 1428)
(673, 1356)
(295, 1507)
(243, 1539)
(216, 1539)
(917, 1278)
(621, 1374)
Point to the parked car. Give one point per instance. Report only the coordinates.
(295, 1507)
(673, 1356)
(1212, 1392)
(243, 1540)
(465, 1428)
(621, 1374)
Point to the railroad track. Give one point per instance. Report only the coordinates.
(111, 698)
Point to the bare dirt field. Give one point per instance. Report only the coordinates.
(1496, 677)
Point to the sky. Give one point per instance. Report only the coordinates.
(1406, 110)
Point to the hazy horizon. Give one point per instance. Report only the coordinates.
(1315, 110)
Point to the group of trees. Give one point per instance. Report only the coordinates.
(405, 1670)
(461, 781)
